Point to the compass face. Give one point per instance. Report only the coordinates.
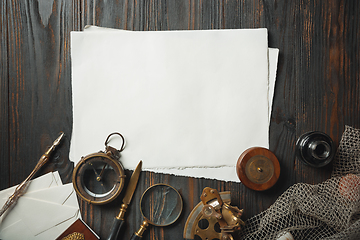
(98, 178)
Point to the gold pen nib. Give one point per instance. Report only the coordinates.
(55, 144)
(58, 140)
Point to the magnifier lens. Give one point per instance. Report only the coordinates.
(161, 205)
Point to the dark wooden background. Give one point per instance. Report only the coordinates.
(317, 86)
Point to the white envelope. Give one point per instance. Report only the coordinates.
(51, 179)
(41, 213)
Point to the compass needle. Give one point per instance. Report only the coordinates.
(102, 171)
(98, 178)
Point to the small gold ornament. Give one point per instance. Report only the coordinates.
(74, 236)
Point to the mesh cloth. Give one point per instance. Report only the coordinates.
(329, 210)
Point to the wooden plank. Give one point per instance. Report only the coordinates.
(4, 99)
(350, 107)
(317, 86)
(39, 83)
(15, 81)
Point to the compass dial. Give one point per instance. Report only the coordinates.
(98, 178)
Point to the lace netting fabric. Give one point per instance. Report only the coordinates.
(329, 210)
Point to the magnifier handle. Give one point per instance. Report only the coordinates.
(135, 237)
(115, 229)
(138, 235)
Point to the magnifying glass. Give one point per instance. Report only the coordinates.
(160, 205)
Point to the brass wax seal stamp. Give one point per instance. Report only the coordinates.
(258, 168)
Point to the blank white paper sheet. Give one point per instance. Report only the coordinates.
(187, 102)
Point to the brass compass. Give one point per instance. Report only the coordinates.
(99, 177)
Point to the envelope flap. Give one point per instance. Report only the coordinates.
(57, 195)
(39, 216)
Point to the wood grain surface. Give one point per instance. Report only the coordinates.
(317, 86)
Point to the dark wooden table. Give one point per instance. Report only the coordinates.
(317, 86)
